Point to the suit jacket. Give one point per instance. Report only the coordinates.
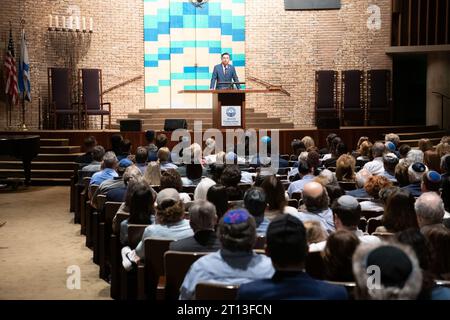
(219, 76)
(291, 286)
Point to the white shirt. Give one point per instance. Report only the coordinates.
(375, 167)
(364, 238)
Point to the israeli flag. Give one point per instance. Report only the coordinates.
(24, 70)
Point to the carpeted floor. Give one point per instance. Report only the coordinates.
(37, 245)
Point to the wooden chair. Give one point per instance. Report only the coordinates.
(91, 95)
(362, 224)
(244, 186)
(188, 189)
(260, 242)
(347, 185)
(176, 265)
(373, 224)
(128, 288)
(104, 233)
(293, 203)
(150, 277)
(315, 265)
(349, 286)
(235, 204)
(296, 195)
(215, 291)
(386, 236)
(371, 214)
(59, 93)
(352, 98)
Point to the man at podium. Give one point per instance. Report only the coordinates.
(224, 74)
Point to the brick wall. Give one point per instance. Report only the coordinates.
(287, 47)
(116, 47)
(282, 47)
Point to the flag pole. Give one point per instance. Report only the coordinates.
(23, 126)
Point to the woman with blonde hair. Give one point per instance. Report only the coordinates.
(153, 174)
(345, 168)
(365, 151)
(308, 142)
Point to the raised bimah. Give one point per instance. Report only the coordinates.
(229, 104)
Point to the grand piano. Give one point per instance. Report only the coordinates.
(21, 147)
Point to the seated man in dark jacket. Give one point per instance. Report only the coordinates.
(203, 219)
(287, 247)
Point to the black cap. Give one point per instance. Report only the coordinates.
(395, 265)
(419, 167)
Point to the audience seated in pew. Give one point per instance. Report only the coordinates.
(170, 178)
(399, 213)
(117, 185)
(235, 263)
(287, 248)
(141, 210)
(438, 237)
(218, 197)
(202, 188)
(346, 215)
(89, 143)
(163, 159)
(153, 173)
(140, 159)
(230, 178)
(97, 154)
(400, 273)
(151, 147)
(305, 174)
(376, 167)
(256, 204)
(390, 161)
(316, 236)
(275, 198)
(345, 168)
(364, 151)
(373, 186)
(169, 224)
(362, 177)
(203, 220)
(415, 173)
(338, 253)
(316, 206)
(125, 149)
(431, 182)
(417, 241)
(109, 171)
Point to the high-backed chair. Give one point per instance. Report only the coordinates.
(352, 97)
(91, 95)
(176, 265)
(326, 99)
(379, 110)
(215, 291)
(59, 95)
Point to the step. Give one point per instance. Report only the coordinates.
(420, 135)
(415, 142)
(50, 157)
(54, 142)
(18, 173)
(59, 149)
(40, 165)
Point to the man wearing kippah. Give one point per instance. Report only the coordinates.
(415, 174)
(235, 263)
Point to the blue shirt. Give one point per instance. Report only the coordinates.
(167, 165)
(226, 267)
(324, 217)
(261, 230)
(291, 286)
(414, 188)
(174, 231)
(106, 174)
(298, 185)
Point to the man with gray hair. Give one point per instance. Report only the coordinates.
(203, 219)
(415, 174)
(361, 178)
(376, 166)
(109, 165)
(429, 209)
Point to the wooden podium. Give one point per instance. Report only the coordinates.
(229, 104)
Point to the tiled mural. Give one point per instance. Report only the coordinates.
(183, 43)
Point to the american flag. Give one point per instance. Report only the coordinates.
(11, 72)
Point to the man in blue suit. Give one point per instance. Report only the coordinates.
(224, 72)
(287, 247)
